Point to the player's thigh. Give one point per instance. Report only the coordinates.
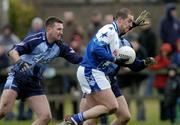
(39, 104)
(123, 110)
(106, 97)
(7, 100)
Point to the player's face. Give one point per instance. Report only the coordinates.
(57, 31)
(126, 24)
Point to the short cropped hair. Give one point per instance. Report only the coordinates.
(123, 13)
(51, 20)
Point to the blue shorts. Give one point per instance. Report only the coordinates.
(24, 85)
(114, 86)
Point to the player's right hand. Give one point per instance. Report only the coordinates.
(141, 20)
(149, 61)
(23, 66)
(121, 60)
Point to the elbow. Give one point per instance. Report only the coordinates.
(9, 53)
(135, 70)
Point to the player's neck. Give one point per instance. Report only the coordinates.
(49, 39)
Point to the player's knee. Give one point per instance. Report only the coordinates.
(46, 117)
(3, 110)
(3, 113)
(125, 118)
(113, 108)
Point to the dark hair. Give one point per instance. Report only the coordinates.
(7, 26)
(51, 20)
(95, 13)
(123, 13)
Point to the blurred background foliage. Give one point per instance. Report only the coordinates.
(20, 16)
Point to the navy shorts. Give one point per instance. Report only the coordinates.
(24, 85)
(116, 89)
(115, 86)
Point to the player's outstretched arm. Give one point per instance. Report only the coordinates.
(139, 65)
(69, 54)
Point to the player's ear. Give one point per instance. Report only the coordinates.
(48, 28)
(119, 20)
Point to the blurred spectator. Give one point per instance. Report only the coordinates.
(172, 92)
(163, 61)
(108, 18)
(36, 26)
(95, 24)
(139, 49)
(138, 84)
(170, 25)
(176, 54)
(8, 38)
(147, 39)
(77, 40)
(4, 63)
(70, 26)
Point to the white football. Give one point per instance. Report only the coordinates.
(126, 51)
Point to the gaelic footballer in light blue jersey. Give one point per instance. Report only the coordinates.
(30, 57)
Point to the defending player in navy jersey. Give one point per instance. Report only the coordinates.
(98, 62)
(30, 56)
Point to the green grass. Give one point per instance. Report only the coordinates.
(152, 115)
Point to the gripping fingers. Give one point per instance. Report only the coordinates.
(141, 18)
(25, 67)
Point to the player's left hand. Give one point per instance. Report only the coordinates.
(141, 20)
(149, 61)
(121, 60)
(23, 66)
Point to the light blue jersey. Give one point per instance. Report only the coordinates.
(36, 51)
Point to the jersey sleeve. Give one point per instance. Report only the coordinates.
(27, 45)
(106, 35)
(104, 44)
(69, 54)
(137, 65)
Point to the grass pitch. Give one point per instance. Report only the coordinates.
(152, 115)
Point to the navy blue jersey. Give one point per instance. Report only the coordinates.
(36, 51)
